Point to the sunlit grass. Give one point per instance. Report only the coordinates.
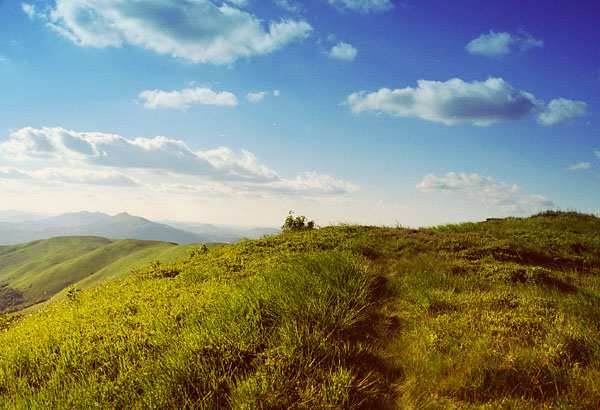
(502, 314)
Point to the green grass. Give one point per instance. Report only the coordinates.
(501, 314)
(36, 271)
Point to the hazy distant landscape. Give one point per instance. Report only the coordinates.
(41, 255)
(19, 227)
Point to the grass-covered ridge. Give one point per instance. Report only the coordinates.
(500, 314)
(33, 272)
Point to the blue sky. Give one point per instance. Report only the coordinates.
(369, 111)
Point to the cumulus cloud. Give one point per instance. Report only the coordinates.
(110, 150)
(509, 198)
(182, 99)
(343, 51)
(451, 102)
(197, 31)
(562, 110)
(499, 44)
(493, 44)
(93, 157)
(363, 6)
(458, 102)
(580, 166)
(256, 97)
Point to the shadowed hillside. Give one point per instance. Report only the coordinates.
(498, 314)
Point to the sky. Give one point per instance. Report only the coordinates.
(384, 112)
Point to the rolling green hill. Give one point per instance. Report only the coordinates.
(498, 314)
(34, 272)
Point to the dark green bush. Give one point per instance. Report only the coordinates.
(297, 224)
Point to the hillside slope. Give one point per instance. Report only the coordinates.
(500, 314)
(33, 272)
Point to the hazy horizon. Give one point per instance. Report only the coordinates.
(23, 216)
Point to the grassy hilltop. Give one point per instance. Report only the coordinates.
(499, 314)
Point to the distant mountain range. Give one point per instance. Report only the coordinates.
(18, 227)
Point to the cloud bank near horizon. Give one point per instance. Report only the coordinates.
(509, 198)
(101, 158)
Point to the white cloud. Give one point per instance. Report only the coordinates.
(93, 157)
(28, 9)
(110, 150)
(256, 97)
(260, 95)
(561, 110)
(493, 44)
(307, 184)
(311, 182)
(198, 31)
(363, 6)
(499, 44)
(580, 166)
(509, 198)
(597, 154)
(458, 102)
(196, 189)
(182, 99)
(12, 173)
(343, 51)
(72, 176)
(451, 102)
